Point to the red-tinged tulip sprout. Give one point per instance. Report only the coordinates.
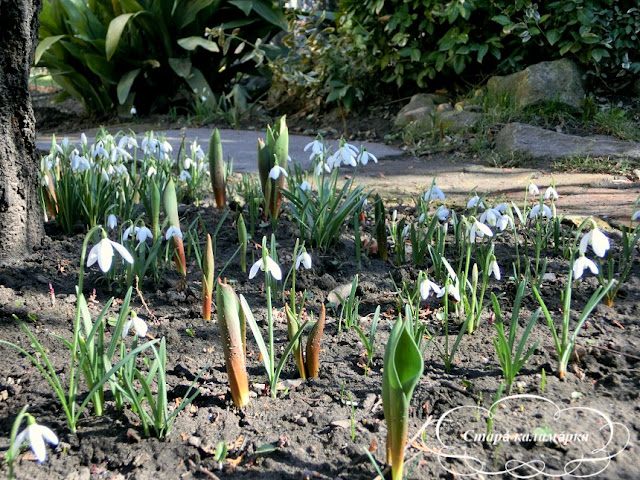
(174, 234)
(207, 279)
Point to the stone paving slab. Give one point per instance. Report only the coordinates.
(402, 177)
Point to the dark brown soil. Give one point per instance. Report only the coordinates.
(323, 427)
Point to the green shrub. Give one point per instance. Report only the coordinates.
(412, 42)
(149, 53)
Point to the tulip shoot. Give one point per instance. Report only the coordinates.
(403, 367)
(216, 166)
(171, 211)
(233, 333)
(273, 153)
(242, 240)
(207, 279)
(309, 366)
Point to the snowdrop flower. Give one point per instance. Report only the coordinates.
(550, 192)
(501, 207)
(276, 171)
(305, 259)
(118, 153)
(345, 155)
(451, 290)
(173, 232)
(98, 149)
(581, 264)
(35, 435)
(305, 186)
(635, 216)
(365, 156)
(323, 166)
(139, 325)
(165, 147)
(83, 139)
(494, 268)
(504, 221)
(317, 149)
(149, 144)
(151, 172)
(268, 265)
(196, 150)
(65, 143)
(442, 213)
(128, 142)
(536, 211)
(490, 217)
(185, 176)
(102, 252)
(598, 241)
(475, 202)
(422, 218)
(187, 163)
(143, 233)
(112, 221)
(434, 192)
(133, 111)
(79, 163)
(479, 229)
(533, 189)
(426, 287)
(405, 230)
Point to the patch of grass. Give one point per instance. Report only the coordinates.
(615, 122)
(614, 166)
(497, 159)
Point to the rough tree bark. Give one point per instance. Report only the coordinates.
(20, 213)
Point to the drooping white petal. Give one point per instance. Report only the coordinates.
(475, 201)
(426, 287)
(635, 216)
(143, 233)
(584, 243)
(254, 268)
(37, 443)
(483, 229)
(112, 221)
(173, 231)
(276, 171)
(494, 269)
(305, 259)
(19, 440)
(127, 232)
(274, 269)
(305, 186)
(581, 263)
(599, 243)
(550, 192)
(122, 251)
(140, 326)
(533, 189)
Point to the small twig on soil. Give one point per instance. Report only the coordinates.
(144, 304)
(203, 470)
(608, 350)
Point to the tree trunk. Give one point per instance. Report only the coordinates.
(20, 213)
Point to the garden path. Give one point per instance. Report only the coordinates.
(400, 176)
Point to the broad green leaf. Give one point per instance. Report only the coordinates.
(101, 67)
(191, 43)
(125, 84)
(482, 51)
(44, 45)
(187, 11)
(197, 82)
(114, 33)
(181, 66)
(502, 20)
(553, 36)
(244, 5)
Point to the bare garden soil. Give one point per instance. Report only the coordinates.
(322, 428)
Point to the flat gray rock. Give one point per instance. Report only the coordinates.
(539, 143)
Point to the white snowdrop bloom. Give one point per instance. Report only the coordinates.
(165, 147)
(65, 143)
(149, 145)
(433, 193)
(187, 163)
(305, 186)
(421, 218)
(598, 241)
(143, 233)
(346, 155)
(112, 221)
(269, 266)
(105, 175)
(427, 287)
(99, 150)
(79, 163)
(494, 269)
(490, 217)
(173, 232)
(36, 436)
(442, 213)
(196, 150)
(133, 111)
(479, 229)
(322, 166)
(582, 263)
(504, 221)
(276, 171)
(533, 189)
(451, 290)
(138, 324)
(550, 192)
(128, 142)
(475, 201)
(405, 230)
(501, 207)
(185, 176)
(102, 253)
(536, 211)
(365, 156)
(635, 216)
(83, 139)
(317, 149)
(152, 171)
(305, 259)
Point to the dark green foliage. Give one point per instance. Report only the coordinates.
(412, 42)
(150, 53)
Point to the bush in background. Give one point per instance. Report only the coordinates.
(150, 53)
(410, 43)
